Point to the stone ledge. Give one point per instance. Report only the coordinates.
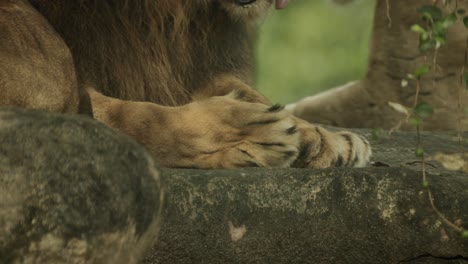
(370, 215)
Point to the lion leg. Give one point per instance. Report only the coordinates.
(225, 84)
(217, 132)
(319, 148)
(36, 69)
(348, 105)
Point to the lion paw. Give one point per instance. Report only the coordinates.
(321, 148)
(222, 132)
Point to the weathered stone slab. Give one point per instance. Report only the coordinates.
(73, 191)
(370, 215)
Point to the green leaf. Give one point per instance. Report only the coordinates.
(424, 110)
(425, 184)
(415, 121)
(465, 75)
(439, 42)
(439, 29)
(419, 152)
(426, 45)
(377, 133)
(424, 37)
(449, 20)
(418, 29)
(427, 17)
(431, 11)
(420, 71)
(465, 21)
(465, 234)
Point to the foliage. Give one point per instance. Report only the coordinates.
(432, 36)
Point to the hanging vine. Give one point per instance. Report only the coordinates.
(432, 36)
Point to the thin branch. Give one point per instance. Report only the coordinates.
(441, 216)
(389, 18)
(416, 96)
(460, 90)
(434, 60)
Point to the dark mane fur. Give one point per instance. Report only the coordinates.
(147, 50)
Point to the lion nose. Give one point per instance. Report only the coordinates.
(245, 2)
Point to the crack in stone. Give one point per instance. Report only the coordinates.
(427, 255)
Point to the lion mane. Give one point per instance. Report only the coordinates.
(157, 51)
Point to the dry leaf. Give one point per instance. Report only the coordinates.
(453, 162)
(399, 108)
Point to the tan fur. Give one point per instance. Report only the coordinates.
(175, 75)
(47, 74)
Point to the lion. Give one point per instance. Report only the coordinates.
(177, 76)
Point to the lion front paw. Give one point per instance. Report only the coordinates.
(321, 148)
(222, 132)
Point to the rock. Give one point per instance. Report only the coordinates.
(378, 214)
(73, 191)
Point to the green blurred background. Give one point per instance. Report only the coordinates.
(311, 46)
